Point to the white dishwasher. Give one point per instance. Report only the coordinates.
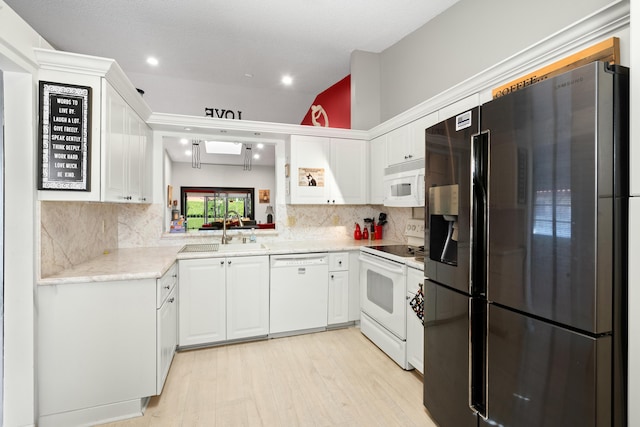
(299, 292)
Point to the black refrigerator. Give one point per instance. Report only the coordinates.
(525, 289)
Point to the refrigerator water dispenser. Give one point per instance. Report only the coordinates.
(443, 224)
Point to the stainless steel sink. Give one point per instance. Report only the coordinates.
(200, 247)
(239, 247)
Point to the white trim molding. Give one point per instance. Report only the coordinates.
(580, 35)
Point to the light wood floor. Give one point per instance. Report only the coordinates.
(334, 378)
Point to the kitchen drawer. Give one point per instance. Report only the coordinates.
(338, 261)
(166, 284)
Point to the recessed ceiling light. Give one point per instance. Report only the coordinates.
(187, 152)
(184, 141)
(187, 129)
(260, 145)
(256, 156)
(248, 75)
(152, 61)
(287, 80)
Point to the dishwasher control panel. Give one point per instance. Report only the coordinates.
(304, 260)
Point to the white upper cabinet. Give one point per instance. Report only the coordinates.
(377, 163)
(406, 143)
(417, 133)
(120, 166)
(399, 148)
(349, 167)
(127, 171)
(326, 170)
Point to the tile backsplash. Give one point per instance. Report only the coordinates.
(74, 232)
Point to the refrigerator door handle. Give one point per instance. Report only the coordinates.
(479, 162)
(478, 350)
(478, 271)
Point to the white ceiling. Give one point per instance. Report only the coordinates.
(222, 42)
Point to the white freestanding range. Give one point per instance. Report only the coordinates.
(383, 292)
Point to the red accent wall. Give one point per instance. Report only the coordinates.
(336, 102)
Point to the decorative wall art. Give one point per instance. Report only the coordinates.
(264, 196)
(310, 177)
(64, 137)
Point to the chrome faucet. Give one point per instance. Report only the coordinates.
(226, 239)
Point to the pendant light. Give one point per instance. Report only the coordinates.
(195, 153)
(247, 157)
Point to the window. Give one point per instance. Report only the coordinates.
(206, 206)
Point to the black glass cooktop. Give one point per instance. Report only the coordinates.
(399, 250)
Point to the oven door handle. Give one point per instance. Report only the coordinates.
(390, 266)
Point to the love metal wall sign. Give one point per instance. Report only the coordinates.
(221, 113)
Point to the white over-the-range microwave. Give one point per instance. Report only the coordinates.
(404, 185)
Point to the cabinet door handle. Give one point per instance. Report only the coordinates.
(229, 262)
(340, 262)
(166, 287)
(332, 277)
(221, 262)
(171, 300)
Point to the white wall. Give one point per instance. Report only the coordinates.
(18, 64)
(189, 97)
(259, 177)
(365, 90)
(463, 41)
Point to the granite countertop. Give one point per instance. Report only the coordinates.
(153, 262)
(119, 264)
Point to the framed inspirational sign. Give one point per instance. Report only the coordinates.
(65, 114)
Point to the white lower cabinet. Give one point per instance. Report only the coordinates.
(344, 287)
(247, 297)
(103, 348)
(96, 351)
(223, 299)
(415, 328)
(338, 304)
(354, 286)
(167, 325)
(202, 303)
